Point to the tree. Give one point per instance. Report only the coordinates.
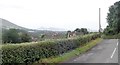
(25, 37)
(109, 31)
(43, 35)
(77, 30)
(10, 36)
(15, 36)
(84, 30)
(113, 19)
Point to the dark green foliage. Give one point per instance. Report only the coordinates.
(113, 20)
(42, 36)
(82, 30)
(10, 36)
(77, 30)
(15, 36)
(29, 53)
(25, 37)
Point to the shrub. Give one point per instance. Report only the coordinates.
(29, 53)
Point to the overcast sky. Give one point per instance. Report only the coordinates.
(65, 14)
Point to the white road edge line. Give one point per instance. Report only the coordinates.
(113, 53)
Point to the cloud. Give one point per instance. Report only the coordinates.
(67, 14)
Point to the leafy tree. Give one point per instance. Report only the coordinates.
(42, 36)
(84, 30)
(15, 36)
(113, 19)
(10, 36)
(25, 37)
(77, 30)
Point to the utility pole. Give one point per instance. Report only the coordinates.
(99, 20)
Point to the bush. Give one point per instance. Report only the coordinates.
(29, 53)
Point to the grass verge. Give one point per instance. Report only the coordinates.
(117, 36)
(70, 54)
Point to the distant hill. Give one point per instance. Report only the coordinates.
(51, 29)
(7, 25)
(34, 32)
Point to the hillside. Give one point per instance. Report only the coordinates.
(6, 25)
(34, 32)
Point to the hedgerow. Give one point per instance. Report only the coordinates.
(29, 53)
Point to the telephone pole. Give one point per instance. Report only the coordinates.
(99, 20)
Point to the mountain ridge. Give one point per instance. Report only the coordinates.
(7, 25)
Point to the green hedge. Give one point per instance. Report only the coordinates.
(29, 53)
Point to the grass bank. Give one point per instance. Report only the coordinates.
(71, 54)
(117, 36)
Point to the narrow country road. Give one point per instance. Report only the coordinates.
(104, 52)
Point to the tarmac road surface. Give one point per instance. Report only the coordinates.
(104, 52)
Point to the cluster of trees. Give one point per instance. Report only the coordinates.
(78, 31)
(15, 36)
(113, 20)
(82, 30)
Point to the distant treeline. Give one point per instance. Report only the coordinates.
(20, 36)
